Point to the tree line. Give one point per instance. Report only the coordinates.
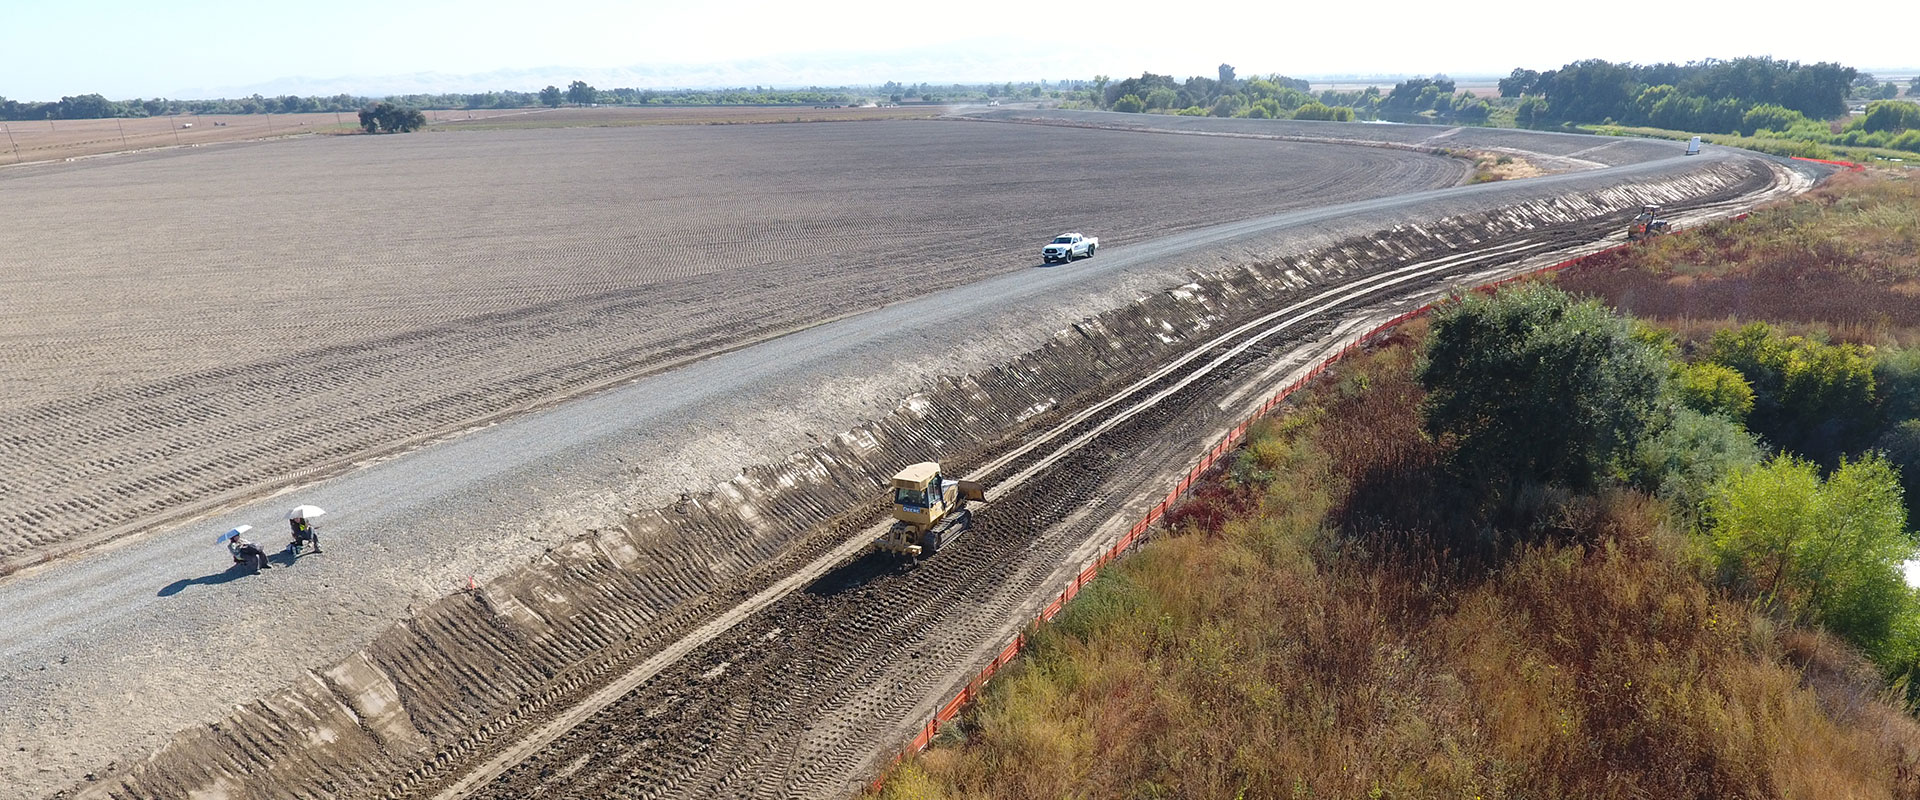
(1712, 94)
(1756, 96)
(95, 106)
(1276, 96)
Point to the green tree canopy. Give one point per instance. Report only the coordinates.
(1888, 115)
(1711, 388)
(1901, 447)
(1532, 386)
(1812, 398)
(579, 93)
(1769, 117)
(1825, 551)
(1687, 461)
(1316, 111)
(390, 118)
(551, 97)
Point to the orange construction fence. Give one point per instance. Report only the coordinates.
(1848, 165)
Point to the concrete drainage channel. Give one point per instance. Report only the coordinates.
(627, 664)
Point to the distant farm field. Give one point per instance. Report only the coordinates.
(673, 115)
(186, 325)
(58, 140)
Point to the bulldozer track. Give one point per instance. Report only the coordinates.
(798, 691)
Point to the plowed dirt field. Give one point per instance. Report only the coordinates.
(185, 327)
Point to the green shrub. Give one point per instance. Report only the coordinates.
(1888, 115)
(1900, 445)
(1824, 551)
(1684, 463)
(1896, 379)
(1812, 398)
(1317, 111)
(1769, 117)
(1130, 104)
(1534, 387)
(1711, 388)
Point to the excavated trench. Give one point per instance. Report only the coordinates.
(800, 697)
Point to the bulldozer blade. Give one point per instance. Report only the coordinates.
(972, 490)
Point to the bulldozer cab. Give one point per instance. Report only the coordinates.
(921, 493)
(916, 489)
(928, 509)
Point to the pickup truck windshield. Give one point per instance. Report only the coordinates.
(1064, 240)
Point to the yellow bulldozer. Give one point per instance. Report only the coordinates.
(929, 510)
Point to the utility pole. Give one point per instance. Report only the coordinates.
(11, 143)
(123, 131)
(175, 125)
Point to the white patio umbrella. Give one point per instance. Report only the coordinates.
(232, 533)
(306, 512)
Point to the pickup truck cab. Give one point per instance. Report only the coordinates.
(1068, 246)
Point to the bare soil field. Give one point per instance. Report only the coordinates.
(185, 327)
(58, 139)
(672, 115)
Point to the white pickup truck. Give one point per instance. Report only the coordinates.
(1069, 246)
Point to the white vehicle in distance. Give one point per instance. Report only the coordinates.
(1068, 246)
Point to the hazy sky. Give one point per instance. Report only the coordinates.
(128, 48)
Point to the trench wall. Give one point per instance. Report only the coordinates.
(441, 688)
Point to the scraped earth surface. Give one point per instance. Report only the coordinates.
(183, 327)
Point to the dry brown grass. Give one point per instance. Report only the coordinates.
(1844, 259)
(1263, 655)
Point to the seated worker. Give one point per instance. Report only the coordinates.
(248, 553)
(303, 532)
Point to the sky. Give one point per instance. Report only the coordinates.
(209, 48)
